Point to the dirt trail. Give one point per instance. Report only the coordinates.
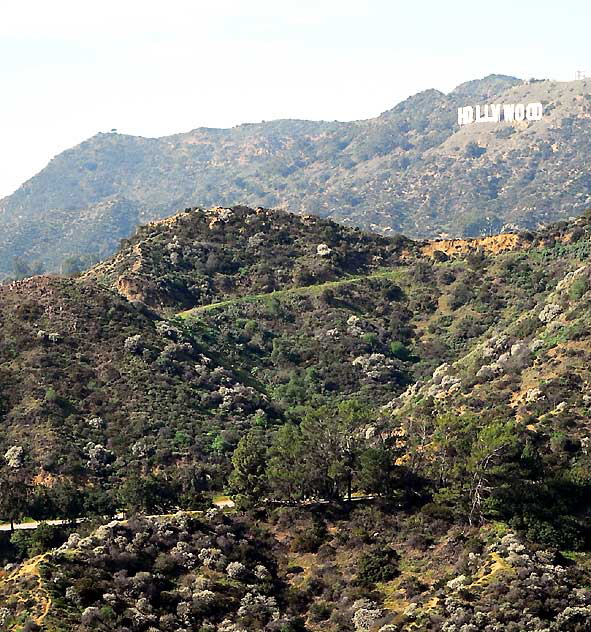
(30, 570)
(386, 273)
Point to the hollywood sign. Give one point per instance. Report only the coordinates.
(496, 113)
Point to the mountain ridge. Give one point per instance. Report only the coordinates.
(410, 169)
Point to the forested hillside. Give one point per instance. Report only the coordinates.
(403, 427)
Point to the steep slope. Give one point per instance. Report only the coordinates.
(313, 308)
(525, 382)
(93, 388)
(224, 574)
(534, 364)
(411, 170)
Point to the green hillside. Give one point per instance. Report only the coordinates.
(402, 425)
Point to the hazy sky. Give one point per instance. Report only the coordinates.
(71, 69)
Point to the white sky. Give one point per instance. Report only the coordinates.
(69, 69)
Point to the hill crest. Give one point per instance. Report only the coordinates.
(409, 170)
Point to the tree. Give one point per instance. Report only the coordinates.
(15, 487)
(320, 457)
(472, 460)
(99, 502)
(486, 463)
(41, 505)
(377, 472)
(333, 439)
(68, 501)
(15, 494)
(147, 494)
(191, 480)
(286, 473)
(247, 481)
(549, 504)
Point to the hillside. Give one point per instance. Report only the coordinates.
(403, 426)
(220, 574)
(282, 295)
(95, 390)
(410, 170)
(201, 256)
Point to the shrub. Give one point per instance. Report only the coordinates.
(399, 350)
(133, 344)
(379, 564)
(473, 150)
(577, 289)
(320, 611)
(310, 540)
(437, 512)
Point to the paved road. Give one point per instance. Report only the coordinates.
(23, 526)
(29, 525)
(222, 503)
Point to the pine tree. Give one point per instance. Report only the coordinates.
(247, 483)
(286, 471)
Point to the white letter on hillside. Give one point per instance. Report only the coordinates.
(509, 112)
(466, 115)
(534, 112)
(496, 113)
(520, 112)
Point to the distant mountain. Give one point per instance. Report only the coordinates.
(412, 169)
(84, 236)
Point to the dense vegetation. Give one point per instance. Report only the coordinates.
(411, 169)
(292, 570)
(403, 427)
(97, 392)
